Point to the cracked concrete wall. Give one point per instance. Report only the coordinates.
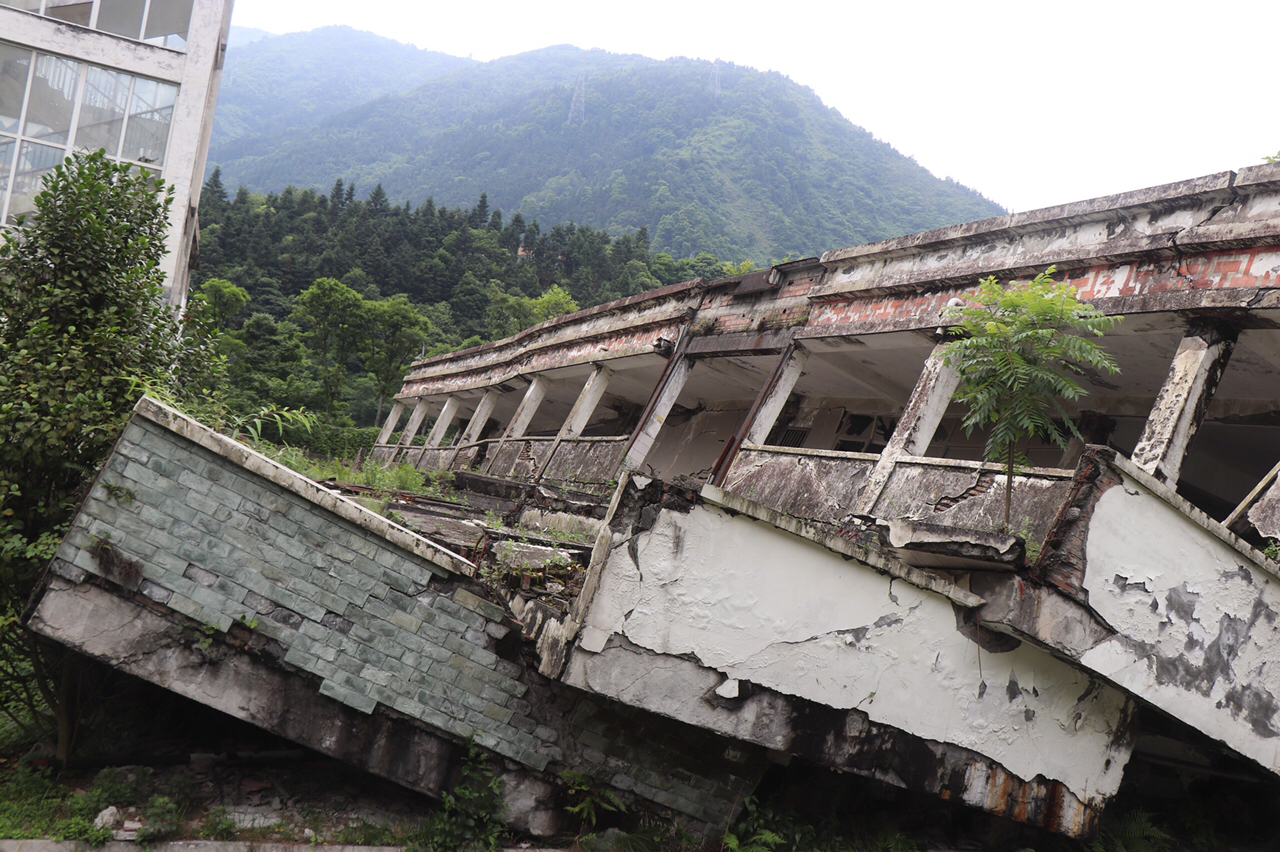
(815, 484)
(1195, 615)
(690, 445)
(971, 495)
(700, 604)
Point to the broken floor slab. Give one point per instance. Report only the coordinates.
(731, 623)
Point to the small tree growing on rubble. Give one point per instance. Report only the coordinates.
(1019, 347)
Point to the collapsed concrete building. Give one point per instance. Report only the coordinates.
(742, 526)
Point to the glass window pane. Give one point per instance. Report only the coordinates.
(122, 17)
(6, 166)
(102, 109)
(25, 5)
(14, 64)
(147, 132)
(52, 99)
(71, 11)
(167, 23)
(34, 162)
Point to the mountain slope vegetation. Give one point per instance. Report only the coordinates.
(274, 85)
(708, 156)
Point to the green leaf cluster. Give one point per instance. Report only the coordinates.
(84, 329)
(1020, 350)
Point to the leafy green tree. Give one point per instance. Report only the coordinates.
(268, 366)
(222, 300)
(1018, 351)
(395, 332)
(331, 316)
(508, 313)
(555, 302)
(83, 329)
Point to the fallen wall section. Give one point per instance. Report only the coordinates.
(204, 567)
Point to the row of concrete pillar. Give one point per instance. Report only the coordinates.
(1178, 412)
(579, 416)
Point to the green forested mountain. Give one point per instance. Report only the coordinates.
(709, 157)
(328, 298)
(274, 85)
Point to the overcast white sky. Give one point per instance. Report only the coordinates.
(1031, 103)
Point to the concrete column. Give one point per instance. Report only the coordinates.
(580, 414)
(775, 397)
(585, 406)
(484, 410)
(533, 396)
(393, 419)
(666, 395)
(1184, 398)
(443, 421)
(415, 422)
(916, 427)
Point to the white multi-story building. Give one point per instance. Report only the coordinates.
(138, 78)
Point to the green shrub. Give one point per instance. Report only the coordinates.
(163, 820)
(112, 786)
(218, 826)
(81, 828)
(471, 820)
(334, 442)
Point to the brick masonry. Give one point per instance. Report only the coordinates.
(375, 622)
(188, 522)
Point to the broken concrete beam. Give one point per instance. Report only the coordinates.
(1184, 398)
(927, 545)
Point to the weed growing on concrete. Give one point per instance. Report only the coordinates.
(471, 820)
(218, 826)
(124, 495)
(1272, 550)
(587, 801)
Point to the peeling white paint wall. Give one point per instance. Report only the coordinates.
(1197, 621)
(756, 604)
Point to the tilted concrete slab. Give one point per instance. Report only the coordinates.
(201, 566)
(735, 618)
(1161, 601)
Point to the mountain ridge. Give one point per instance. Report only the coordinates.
(709, 156)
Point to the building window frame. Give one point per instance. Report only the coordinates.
(23, 142)
(173, 41)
